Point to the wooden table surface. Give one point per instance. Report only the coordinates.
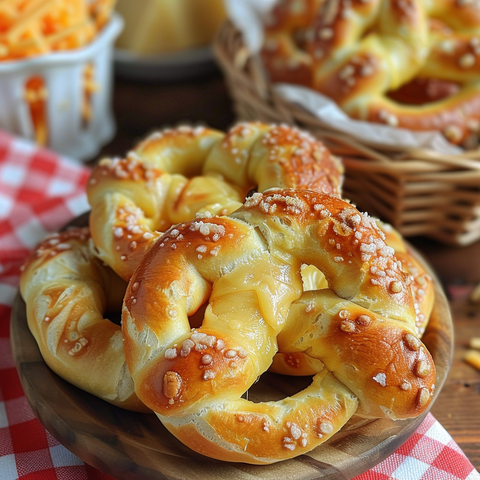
(141, 107)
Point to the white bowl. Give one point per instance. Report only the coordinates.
(62, 73)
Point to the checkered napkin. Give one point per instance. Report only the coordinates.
(39, 193)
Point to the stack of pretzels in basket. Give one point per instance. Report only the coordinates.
(228, 255)
(411, 64)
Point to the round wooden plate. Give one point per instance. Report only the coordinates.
(133, 446)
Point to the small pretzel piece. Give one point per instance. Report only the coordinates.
(472, 357)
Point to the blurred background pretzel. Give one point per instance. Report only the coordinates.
(285, 31)
(408, 64)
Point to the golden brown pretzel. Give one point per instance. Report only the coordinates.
(361, 52)
(175, 174)
(334, 38)
(67, 290)
(454, 60)
(248, 267)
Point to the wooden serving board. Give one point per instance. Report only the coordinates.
(133, 446)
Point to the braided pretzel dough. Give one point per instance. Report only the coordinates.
(357, 52)
(248, 267)
(67, 290)
(175, 174)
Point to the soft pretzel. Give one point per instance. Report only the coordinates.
(361, 52)
(248, 267)
(149, 190)
(67, 291)
(175, 174)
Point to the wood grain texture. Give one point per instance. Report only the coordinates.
(132, 446)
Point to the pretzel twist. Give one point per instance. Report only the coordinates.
(175, 174)
(67, 290)
(248, 267)
(360, 53)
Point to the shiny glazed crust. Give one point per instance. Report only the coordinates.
(174, 174)
(248, 267)
(67, 291)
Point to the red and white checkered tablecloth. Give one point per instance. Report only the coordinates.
(39, 193)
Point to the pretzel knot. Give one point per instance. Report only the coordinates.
(360, 330)
(175, 174)
(67, 291)
(360, 53)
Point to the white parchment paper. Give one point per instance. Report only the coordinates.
(247, 16)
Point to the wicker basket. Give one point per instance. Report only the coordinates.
(419, 192)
